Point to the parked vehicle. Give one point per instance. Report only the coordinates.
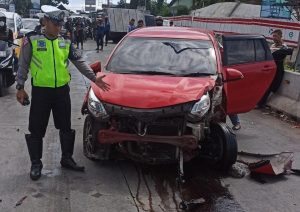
(119, 20)
(171, 90)
(29, 25)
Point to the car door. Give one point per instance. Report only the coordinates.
(249, 54)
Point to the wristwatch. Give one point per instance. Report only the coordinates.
(19, 87)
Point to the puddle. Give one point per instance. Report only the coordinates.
(201, 182)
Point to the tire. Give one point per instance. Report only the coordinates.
(91, 148)
(225, 146)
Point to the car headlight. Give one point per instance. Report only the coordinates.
(201, 107)
(95, 106)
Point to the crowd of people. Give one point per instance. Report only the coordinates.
(79, 29)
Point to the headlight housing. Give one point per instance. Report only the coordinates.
(201, 107)
(95, 106)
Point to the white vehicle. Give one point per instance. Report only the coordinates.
(29, 25)
(14, 22)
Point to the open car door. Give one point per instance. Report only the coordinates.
(249, 54)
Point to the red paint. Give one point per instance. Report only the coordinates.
(145, 92)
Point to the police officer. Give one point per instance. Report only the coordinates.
(46, 56)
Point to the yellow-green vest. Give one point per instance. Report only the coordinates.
(49, 62)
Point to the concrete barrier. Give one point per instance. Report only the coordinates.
(287, 98)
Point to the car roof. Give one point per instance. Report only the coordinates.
(172, 32)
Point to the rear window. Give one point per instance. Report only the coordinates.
(172, 56)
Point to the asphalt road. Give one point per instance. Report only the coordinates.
(127, 186)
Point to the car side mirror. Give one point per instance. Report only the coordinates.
(96, 67)
(233, 75)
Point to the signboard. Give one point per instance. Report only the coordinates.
(275, 9)
(90, 2)
(12, 8)
(36, 4)
(90, 9)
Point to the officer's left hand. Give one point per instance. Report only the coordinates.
(101, 84)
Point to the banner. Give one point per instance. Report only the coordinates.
(275, 9)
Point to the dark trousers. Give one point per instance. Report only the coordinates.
(106, 37)
(99, 40)
(45, 100)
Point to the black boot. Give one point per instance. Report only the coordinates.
(67, 147)
(35, 149)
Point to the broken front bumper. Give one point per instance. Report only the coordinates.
(112, 137)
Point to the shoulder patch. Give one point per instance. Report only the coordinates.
(25, 41)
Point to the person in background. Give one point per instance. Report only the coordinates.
(79, 33)
(107, 29)
(69, 28)
(131, 25)
(140, 24)
(171, 23)
(235, 122)
(279, 52)
(100, 31)
(159, 21)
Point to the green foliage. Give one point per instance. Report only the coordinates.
(122, 4)
(182, 10)
(23, 6)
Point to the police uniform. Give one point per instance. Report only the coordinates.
(47, 60)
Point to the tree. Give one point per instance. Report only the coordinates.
(133, 4)
(23, 6)
(122, 4)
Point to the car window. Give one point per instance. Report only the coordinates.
(173, 56)
(260, 50)
(240, 51)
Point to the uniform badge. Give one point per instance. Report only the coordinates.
(62, 44)
(41, 45)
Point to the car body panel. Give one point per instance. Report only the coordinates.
(243, 95)
(155, 91)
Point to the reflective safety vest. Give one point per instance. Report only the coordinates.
(49, 61)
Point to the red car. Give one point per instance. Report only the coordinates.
(171, 89)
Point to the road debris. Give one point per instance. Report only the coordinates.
(238, 170)
(20, 201)
(271, 164)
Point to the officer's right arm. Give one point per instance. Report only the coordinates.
(24, 61)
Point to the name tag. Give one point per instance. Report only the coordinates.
(62, 44)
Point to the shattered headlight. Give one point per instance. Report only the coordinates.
(95, 106)
(201, 107)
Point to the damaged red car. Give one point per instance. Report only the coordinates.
(171, 90)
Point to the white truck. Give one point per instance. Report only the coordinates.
(119, 20)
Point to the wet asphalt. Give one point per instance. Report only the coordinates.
(128, 186)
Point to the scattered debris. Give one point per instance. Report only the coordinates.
(0, 200)
(79, 118)
(20, 201)
(270, 164)
(18, 129)
(66, 198)
(238, 170)
(296, 126)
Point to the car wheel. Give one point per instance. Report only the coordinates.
(223, 146)
(91, 148)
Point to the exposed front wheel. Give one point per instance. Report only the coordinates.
(222, 146)
(91, 148)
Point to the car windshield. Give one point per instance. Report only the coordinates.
(30, 24)
(10, 24)
(170, 56)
